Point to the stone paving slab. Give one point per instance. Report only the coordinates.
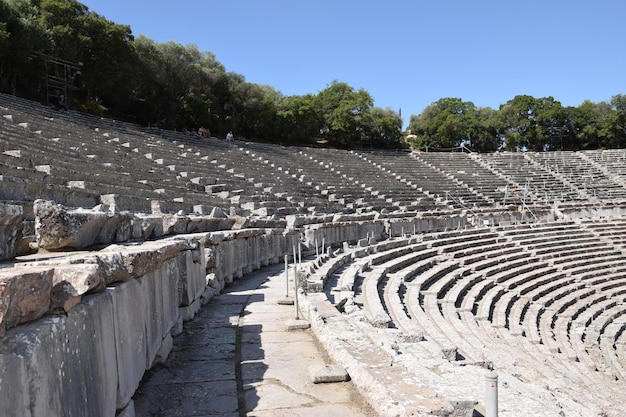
(237, 358)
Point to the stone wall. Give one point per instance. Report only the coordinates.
(81, 330)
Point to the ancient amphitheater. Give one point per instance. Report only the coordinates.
(447, 264)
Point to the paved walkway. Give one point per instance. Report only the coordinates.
(237, 358)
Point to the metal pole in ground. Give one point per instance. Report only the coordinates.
(286, 276)
(491, 394)
(295, 283)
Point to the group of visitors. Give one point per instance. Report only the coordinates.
(206, 133)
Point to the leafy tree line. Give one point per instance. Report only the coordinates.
(174, 86)
(524, 122)
(170, 85)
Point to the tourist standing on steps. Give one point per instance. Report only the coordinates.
(229, 136)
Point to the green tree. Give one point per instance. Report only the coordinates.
(343, 111)
(486, 136)
(23, 38)
(103, 49)
(382, 128)
(618, 116)
(587, 124)
(529, 123)
(178, 84)
(299, 118)
(447, 123)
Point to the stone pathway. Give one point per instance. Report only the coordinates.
(237, 358)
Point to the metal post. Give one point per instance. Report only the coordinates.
(286, 277)
(295, 285)
(491, 394)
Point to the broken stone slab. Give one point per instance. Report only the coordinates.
(181, 224)
(70, 283)
(321, 374)
(57, 227)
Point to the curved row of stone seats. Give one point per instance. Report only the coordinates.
(382, 182)
(67, 166)
(551, 281)
(543, 300)
(478, 179)
(612, 229)
(402, 166)
(582, 174)
(554, 291)
(256, 184)
(531, 182)
(448, 186)
(275, 169)
(339, 185)
(165, 155)
(159, 169)
(392, 378)
(610, 161)
(434, 184)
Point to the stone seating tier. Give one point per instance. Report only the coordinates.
(544, 290)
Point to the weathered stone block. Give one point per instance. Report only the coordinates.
(71, 282)
(10, 230)
(14, 391)
(65, 365)
(328, 373)
(24, 295)
(129, 306)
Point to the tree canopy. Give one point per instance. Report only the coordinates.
(49, 47)
(522, 123)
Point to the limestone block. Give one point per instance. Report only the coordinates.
(178, 327)
(14, 392)
(129, 306)
(24, 295)
(147, 226)
(169, 283)
(70, 282)
(328, 373)
(174, 224)
(69, 362)
(192, 277)
(57, 227)
(152, 286)
(10, 230)
(161, 302)
(117, 228)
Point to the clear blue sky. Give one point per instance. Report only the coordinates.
(406, 53)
